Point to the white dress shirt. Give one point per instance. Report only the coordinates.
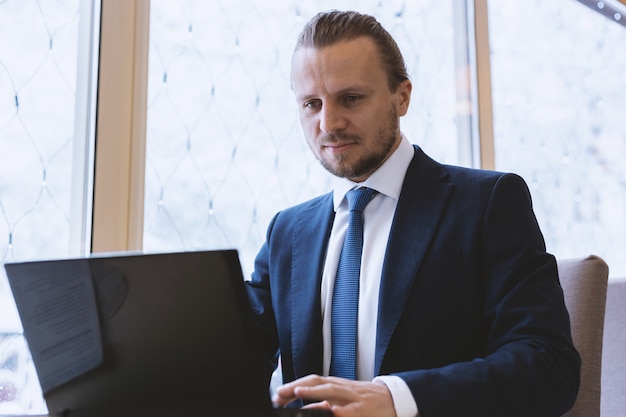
(377, 218)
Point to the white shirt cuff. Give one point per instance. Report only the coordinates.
(403, 400)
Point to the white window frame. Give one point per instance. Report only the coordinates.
(81, 206)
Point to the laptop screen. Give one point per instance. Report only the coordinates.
(128, 331)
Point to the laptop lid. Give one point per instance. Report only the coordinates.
(133, 332)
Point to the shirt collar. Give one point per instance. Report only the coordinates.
(386, 180)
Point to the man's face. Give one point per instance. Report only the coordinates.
(349, 116)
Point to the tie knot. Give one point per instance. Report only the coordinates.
(359, 197)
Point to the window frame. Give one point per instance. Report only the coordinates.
(121, 126)
(81, 206)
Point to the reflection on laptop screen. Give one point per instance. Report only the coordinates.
(158, 331)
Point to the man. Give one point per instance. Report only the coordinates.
(460, 311)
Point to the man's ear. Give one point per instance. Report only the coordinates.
(403, 92)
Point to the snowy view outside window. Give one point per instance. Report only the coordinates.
(38, 123)
(558, 74)
(224, 146)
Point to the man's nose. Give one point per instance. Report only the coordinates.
(331, 119)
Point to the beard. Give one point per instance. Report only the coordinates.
(385, 140)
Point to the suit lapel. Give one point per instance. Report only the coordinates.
(424, 195)
(309, 253)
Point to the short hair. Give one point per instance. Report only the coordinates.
(331, 27)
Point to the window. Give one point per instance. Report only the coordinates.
(45, 142)
(557, 79)
(224, 149)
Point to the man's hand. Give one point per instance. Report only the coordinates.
(343, 397)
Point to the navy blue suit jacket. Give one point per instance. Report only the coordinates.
(471, 313)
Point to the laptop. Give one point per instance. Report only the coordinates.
(143, 335)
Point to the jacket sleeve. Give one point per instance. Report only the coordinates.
(259, 295)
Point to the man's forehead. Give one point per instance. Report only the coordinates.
(363, 44)
(343, 57)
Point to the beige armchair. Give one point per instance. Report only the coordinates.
(613, 399)
(584, 283)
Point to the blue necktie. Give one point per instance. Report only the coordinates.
(345, 303)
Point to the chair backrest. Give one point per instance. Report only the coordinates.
(613, 399)
(584, 283)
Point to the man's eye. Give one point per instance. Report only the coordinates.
(312, 104)
(351, 98)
